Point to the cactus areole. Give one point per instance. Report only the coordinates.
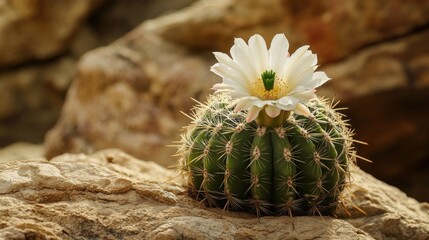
(264, 142)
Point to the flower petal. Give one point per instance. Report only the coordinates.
(231, 84)
(258, 49)
(291, 62)
(233, 92)
(304, 81)
(305, 62)
(253, 113)
(305, 96)
(272, 111)
(278, 53)
(227, 73)
(320, 78)
(244, 103)
(301, 109)
(222, 57)
(299, 63)
(287, 103)
(241, 54)
(226, 62)
(317, 79)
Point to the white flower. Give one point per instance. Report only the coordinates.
(271, 79)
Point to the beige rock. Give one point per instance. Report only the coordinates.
(334, 30)
(21, 151)
(36, 64)
(129, 96)
(121, 16)
(384, 87)
(387, 210)
(35, 30)
(43, 40)
(32, 97)
(111, 195)
(395, 64)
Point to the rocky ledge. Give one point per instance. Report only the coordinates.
(111, 195)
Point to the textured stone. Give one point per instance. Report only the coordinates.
(37, 63)
(111, 195)
(385, 90)
(21, 151)
(34, 77)
(36, 30)
(32, 97)
(394, 64)
(129, 96)
(123, 15)
(334, 30)
(384, 211)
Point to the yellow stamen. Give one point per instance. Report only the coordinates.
(279, 90)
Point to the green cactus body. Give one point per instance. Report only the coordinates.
(299, 168)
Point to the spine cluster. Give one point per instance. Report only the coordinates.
(299, 168)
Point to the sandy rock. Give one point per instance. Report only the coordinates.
(388, 212)
(32, 97)
(121, 16)
(37, 63)
(21, 151)
(34, 89)
(129, 96)
(395, 64)
(111, 195)
(46, 24)
(385, 88)
(324, 25)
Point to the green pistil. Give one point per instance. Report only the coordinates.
(268, 78)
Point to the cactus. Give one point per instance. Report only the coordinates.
(298, 168)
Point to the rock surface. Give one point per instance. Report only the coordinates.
(41, 23)
(129, 96)
(21, 151)
(385, 88)
(32, 97)
(34, 78)
(111, 195)
(37, 63)
(334, 30)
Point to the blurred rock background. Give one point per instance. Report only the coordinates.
(79, 76)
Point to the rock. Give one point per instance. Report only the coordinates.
(36, 64)
(51, 27)
(32, 97)
(324, 25)
(385, 90)
(123, 15)
(384, 211)
(48, 25)
(111, 195)
(34, 77)
(395, 64)
(129, 96)
(21, 151)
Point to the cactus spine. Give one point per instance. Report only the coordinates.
(299, 168)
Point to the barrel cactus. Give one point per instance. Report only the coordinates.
(264, 143)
